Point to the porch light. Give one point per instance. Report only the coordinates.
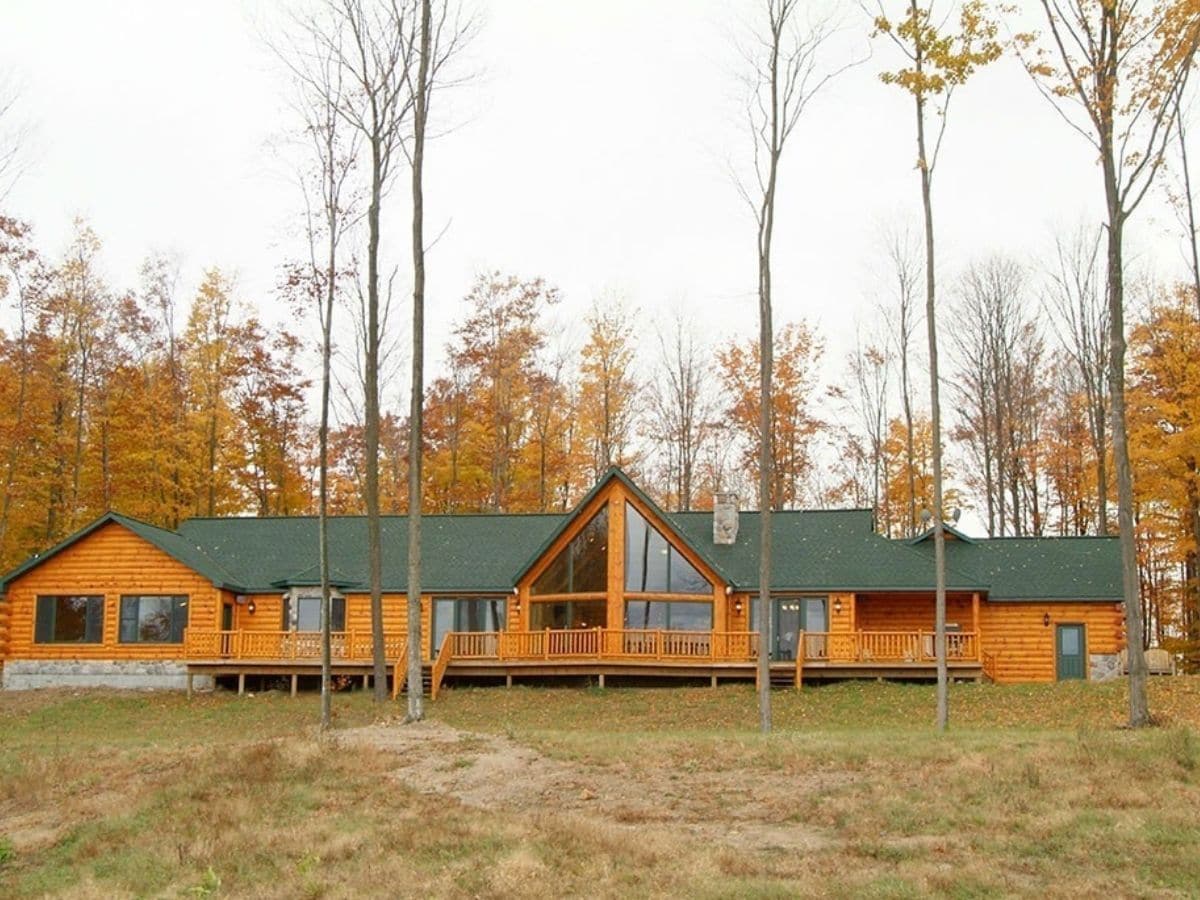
(1046, 619)
(737, 606)
(250, 607)
(837, 605)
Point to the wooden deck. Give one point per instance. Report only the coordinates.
(592, 652)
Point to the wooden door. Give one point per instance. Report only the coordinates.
(1070, 652)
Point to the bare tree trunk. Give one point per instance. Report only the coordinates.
(416, 700)
(939, 536)
(1193, 236)
(371, 429)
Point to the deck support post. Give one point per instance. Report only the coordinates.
(366, 682)
(508, 680)
(601, 680)
(191, 684)
(295, 678)
(713, 680)
(241, 683)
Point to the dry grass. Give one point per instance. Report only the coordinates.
(559, 792)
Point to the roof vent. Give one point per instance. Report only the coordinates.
(725, 518)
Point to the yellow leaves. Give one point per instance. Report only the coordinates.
(940, 60)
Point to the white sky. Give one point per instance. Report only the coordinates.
(593, 152)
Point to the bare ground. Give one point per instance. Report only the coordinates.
(492, 772)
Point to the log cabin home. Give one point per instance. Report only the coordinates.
(615, 588)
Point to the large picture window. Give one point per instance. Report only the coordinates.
(473, 614)
(153, 619)
(653, 565)
(73, 619)
(582, 566)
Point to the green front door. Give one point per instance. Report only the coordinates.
(1069, 652)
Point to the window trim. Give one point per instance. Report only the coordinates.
(185, 605)
(93, 601)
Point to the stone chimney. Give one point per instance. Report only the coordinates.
(725, 518)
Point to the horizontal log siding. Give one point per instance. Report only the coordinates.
(111, 561)
(1023, 647)
(900, 613)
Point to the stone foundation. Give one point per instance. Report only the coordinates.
(1104, 666)
(29, 674)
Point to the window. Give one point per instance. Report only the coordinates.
(482, 614)
(153, 619)
(582, 566)
(668, 615)
(308, 614)
(571, 614)
(654, 566)
(69, 620)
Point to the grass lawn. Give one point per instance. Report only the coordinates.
(553, 792)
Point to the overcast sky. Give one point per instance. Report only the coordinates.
(593, 150)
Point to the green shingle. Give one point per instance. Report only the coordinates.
(816, 551)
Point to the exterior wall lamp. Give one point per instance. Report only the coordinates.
(251, 607)
(737, 606)
(1046, 619)
(837, 605)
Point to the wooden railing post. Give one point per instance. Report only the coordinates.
(800, 649)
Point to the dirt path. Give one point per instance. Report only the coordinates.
(492, 771)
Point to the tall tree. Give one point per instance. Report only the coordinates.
(370, 43)
(1116, 70)
(937, 62)
(328, 194)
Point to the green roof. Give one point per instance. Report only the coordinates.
(1040, 568)
(820, 551)
(826, 550)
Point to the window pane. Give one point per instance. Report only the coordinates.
(588, 614)
(555, 579)
(1070, 641)
(443, 623)
(652, 565)
(547, 615)
(589, 556)
(308, 614)
(689, 616)
(814, 614)
(645, 614)
(154, 619)
(684, 577)
(69, 619)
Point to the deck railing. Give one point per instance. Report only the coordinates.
(829, 647)
(345, 646)
(886, 646)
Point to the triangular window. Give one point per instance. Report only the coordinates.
(655, 566)
(582, 566)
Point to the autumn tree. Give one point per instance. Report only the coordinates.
(1116, 70)
(1164, 431)
(795, 421)
(937, 62)
(608, 402)
(863, 395)
(496, 351)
